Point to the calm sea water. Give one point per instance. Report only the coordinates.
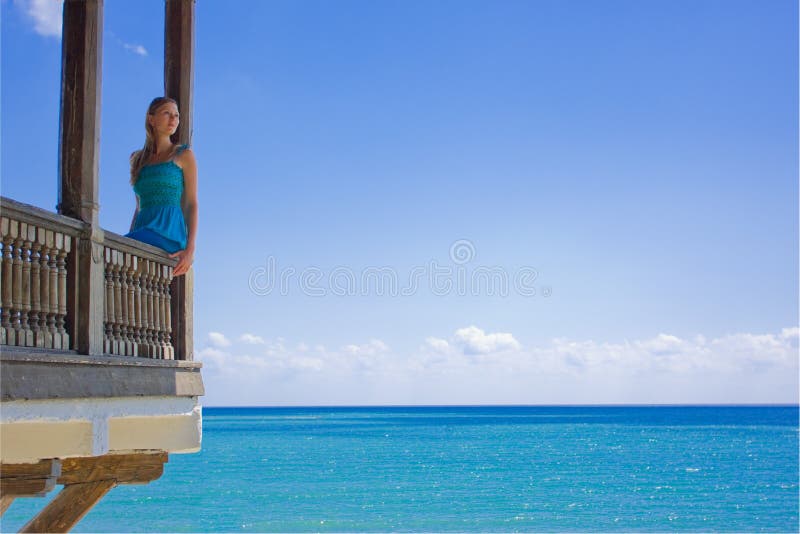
(469, 469)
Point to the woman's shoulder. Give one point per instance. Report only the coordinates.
(184, 155)
(183, 149)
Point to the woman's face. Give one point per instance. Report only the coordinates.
(165, 120)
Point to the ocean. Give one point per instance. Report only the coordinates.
(468, 469)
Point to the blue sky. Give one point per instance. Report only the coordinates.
(639, 157)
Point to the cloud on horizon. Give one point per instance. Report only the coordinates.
(476, 367)
(217, 339)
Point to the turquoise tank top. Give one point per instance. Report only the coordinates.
(160, 222)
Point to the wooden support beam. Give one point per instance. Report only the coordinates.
(40, 468)
(86, 480)
(78, 168)
(121, 468)
(26, 487)
(5, 502)
(69, 506)
(28, 480)
(179, 84)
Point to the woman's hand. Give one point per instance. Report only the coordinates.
(185, 260)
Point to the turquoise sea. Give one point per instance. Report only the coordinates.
(498, 469)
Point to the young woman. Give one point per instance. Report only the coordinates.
(164, 178)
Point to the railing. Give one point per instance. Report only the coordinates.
(137, 315)
(41, 297)
(33, 278)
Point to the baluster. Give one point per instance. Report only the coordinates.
(162, 342)
(160, 279)
(7, 289)
(137, 305)
(130, 318)
(148, 279)
(16, 298)
(168, 322)
(108, 311)
(36, 289)
(28, 233)
(123, 289)
(51, 314)
(116, 270)
(157, 311)
(44, 282)
(61, 318)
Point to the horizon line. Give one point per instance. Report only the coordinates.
(609, 405)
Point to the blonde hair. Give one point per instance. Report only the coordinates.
(140, 158)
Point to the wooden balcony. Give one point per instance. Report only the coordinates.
(85, 316)
(139, 312)
(95, 362)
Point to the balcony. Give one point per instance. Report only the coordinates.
(97, 379)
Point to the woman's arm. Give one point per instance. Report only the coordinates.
(135, 213)
(189, 208)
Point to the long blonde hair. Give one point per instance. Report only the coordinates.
(140, 158)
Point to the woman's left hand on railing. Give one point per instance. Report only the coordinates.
(185, 260)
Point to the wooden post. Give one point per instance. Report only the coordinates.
(81, 67)
(179, 84)
(78, 193)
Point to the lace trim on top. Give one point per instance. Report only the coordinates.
(160, 184)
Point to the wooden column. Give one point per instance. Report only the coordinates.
(78, 192)
(179, 84)
(81, 66)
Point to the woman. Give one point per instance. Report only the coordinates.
(164, 178)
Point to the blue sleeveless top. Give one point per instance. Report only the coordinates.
(160, 222)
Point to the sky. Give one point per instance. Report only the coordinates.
(461, 202)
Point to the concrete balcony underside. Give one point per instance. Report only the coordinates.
(62, 405)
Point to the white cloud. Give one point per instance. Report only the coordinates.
(374, 347)
(252, 339)
(792, 334)
(136, 49)
(218, 339)
(475, 367)
(437, 345)
(473, 340)
(45, 14)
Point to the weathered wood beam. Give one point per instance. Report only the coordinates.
(39, 469)
(121, 468)
(78, 166)
(179, 84)
(86, 480)
(5, 502)
(28, 480)
(81, 67)
(179, 62)
(26, 487)
(69, 506)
